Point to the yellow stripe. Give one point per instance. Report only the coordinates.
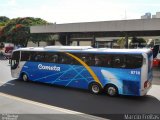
(87, 67)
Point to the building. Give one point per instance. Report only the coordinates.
(146, 16)
(157, 15)
(102, 33)
(149, 16)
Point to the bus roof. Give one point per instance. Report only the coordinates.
(83, 49)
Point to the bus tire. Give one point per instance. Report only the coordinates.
(95, 88)
(25, 77)
(111, 90)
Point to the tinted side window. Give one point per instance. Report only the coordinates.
(103, 60)
(67, 59)
(118, 61)
(134, 61)
(51, 57)
(86, 58)
(25, 55)
(37, 57)
(100, 60)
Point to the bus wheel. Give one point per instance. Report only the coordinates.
(24, 77)
(95, 88)
(111, 90)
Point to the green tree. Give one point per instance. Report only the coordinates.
(121, 42)
(17, 30)
(36, 38)
(137, 42)
(3, 20)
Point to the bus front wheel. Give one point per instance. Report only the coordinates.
(24, 77)
(95, 88)
(111, 90)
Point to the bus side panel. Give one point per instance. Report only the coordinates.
(69, 75)
(34, 74)
(60, 74)
(126, 80)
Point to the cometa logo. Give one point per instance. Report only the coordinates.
(54, 68)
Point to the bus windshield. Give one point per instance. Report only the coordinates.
(15, 59)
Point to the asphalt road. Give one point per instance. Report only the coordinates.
(74, 99)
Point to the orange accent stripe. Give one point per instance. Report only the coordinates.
(87, 67)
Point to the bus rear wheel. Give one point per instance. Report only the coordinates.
(111, 90)
(95, 88)
(24, 77)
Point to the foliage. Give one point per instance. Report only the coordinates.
(36, 38)
(137, 42)
(121, 42)
(17, 31)
(3, 20)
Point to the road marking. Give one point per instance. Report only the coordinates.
(66, 111)
(4, 83)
